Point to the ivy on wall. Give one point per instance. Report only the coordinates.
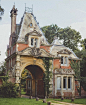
(47, 75)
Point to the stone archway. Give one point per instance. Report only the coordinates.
(25, 62)
(37, 84)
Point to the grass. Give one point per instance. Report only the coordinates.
(20, 101)
(76, 101)
(25, 101)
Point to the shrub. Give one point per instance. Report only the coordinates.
(8, 89)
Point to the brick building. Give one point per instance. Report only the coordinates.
(26, 44)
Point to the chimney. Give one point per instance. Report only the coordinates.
(13, 19)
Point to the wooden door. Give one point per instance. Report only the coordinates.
(40, 88)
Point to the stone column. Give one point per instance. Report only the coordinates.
(72, 87)
(55, 85)
(62, 86)
(18, 73)
(67, 82)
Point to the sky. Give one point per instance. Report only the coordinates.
(64, 13)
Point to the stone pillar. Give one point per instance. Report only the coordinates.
(62, 86)
(72, 87)
(18, 73)
(55, 85)
(67, 82)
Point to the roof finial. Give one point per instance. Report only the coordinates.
(32, 8)
(25, 7)
(14, 5)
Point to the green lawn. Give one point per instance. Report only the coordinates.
(76, 101)
(20, 101)
(25, 101)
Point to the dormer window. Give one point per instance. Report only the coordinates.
(34, 42)
(64, 61)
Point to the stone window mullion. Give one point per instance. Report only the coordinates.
(67, 82)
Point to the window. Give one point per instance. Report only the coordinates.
(69, 82)
(58, 83)
(30, 24)
(64, 61)
(64, 83)
(32, 41)
(29, 84)
(35, 42)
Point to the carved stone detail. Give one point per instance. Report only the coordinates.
(65, 51)
(64, 71)
(35, 51)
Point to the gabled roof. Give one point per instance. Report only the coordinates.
(34, 33)
(25, 28)
(57, 48)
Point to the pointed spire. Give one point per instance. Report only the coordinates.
(14, 6)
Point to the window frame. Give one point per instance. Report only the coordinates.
(65, 83)
(60, 83)
(65, 59)
(35, 42)
(32, 42)
(70, 83)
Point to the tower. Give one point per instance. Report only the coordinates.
(13, 19)
(13, 26)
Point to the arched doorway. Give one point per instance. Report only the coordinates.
(35, 84)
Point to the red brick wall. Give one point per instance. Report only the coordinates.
(76, 86)
(47, 48)
(67, 94)
(58, 93)
(56, 63)
(22, 46)
(83, 92)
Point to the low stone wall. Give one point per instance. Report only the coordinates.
(67, 94)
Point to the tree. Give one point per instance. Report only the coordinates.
(50, 31)
(2, 68)
(8, 89)
(69, 37)
(1, 12)
(83, 44)
(82, 72)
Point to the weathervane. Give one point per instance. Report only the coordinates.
(27, 9)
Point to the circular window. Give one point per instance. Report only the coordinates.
(30, 24)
